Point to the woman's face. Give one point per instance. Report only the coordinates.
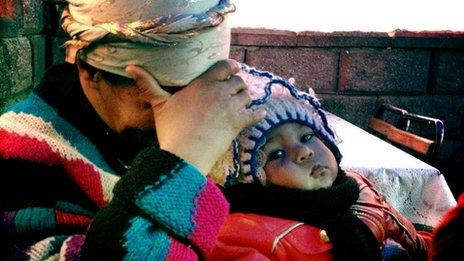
(121, 107)
(129, 109)
(297, 159)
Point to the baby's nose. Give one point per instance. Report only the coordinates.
(303, 153)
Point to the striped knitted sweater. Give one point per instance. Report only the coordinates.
(57, 197)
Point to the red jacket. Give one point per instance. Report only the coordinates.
(448, 236)
(256, 237)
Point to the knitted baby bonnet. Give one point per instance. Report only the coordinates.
(283, 104)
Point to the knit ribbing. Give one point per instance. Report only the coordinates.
(142, 239)
(208, 217)
(157, 200)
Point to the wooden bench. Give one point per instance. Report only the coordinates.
(400, 135)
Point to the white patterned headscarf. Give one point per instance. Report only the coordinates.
(175, 40)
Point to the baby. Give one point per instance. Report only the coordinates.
(290, 200)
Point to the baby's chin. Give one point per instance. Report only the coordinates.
(320, 182)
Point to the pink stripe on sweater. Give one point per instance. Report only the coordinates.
(13, 145)
(211, 212)
(73, 247)
(64, 219)
(178, 251)
(87, 178)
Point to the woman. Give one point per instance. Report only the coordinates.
(66, 145)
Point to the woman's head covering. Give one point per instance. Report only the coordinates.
(175, 40)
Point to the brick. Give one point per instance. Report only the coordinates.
(313, 68)
(262, 37)
(343, 39)
(33, 16)
(355, 109)
(10, 28)
(10, 13)
(237, 53)
(38, 57)
(15, 66)
(7, 9)
(11, 99)
(428, 39)
(448, 72)
(4, 80)
(384, 71)
(22, 17)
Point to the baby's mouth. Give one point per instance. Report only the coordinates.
(317, 171)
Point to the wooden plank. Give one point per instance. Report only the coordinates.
(380, 126)
(400, 137)
(412, 141)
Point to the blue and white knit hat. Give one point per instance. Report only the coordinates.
(284, 104)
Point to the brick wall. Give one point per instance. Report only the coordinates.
(353, 72)
(22, 47)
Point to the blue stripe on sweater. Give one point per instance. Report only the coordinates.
(143, 240)
(34, 105)
(57, 242)
(172, 201)
(34, 219)
(73, 208)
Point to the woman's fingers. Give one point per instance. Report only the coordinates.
(236, 85)
(222, 70)
(206, 116)
(240, 100)
(250, 116)
(147, 86)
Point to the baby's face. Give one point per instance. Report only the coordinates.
(297, 159)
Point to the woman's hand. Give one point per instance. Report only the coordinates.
(199, 122)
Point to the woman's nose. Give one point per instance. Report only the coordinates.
(303, 153)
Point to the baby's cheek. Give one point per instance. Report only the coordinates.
(276, 173)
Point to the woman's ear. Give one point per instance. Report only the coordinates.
(87, 79)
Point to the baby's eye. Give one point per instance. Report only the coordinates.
(276, 154)
(307, 137)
